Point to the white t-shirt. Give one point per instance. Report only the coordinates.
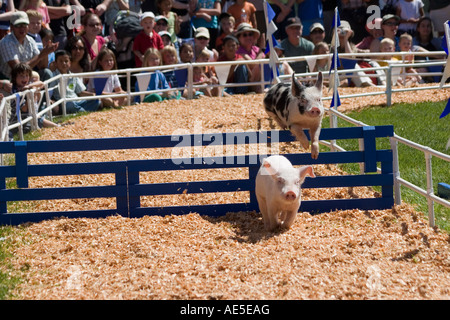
(409, 10)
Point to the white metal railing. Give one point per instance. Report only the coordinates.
(129, 93)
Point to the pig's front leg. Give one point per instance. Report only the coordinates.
(272, 222)
(277, 119)
(297, 131)
(314, 133)
(263, 208)
(289, 219)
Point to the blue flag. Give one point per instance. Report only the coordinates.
(181, 76)
(275, 43)
(446, 110)
(270, 12)
(338, 100)
(332, 63)
(99, 85)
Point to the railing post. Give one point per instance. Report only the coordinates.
(397, 189)
(190, 81)
(62, 93)
(430, 191)
(128, 73)
(389, 86)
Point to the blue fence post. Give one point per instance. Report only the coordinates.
(21, 163)
(122, 200)
(134, 201)
(370, 149)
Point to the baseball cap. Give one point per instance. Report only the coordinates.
(201, 32)
(164, 33)
(147, 14)
(19, 17)
(291, 22)
(316, 25)
(161, 17)
(386, 17)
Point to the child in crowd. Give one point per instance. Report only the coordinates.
(227, 23)
(147, 38)
(208, 75)
(169, 57)
(39, 6)
(106, 61)
(165, 36)
(410, 12)
(35, 27)
(243, 11)
(405, 43)
(186, 53)
(74, 88)
(23, 78)
(321, 64)
(387, 45)
(165, 9)
(157, 81)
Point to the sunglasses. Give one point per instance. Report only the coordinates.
(247, 34)
(161, 23)
(78, 48)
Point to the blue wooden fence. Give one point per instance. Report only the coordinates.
(128, 190)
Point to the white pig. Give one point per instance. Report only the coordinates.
(278, 191)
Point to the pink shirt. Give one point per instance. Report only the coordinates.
(252, 54)
(42, 10)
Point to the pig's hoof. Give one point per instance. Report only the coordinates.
(314, 152)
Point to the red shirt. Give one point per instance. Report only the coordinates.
(143, 41)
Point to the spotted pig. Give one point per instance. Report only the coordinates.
(296, 107)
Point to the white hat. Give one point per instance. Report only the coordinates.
(19, 17)
(147, 14)
(165, 33)
(202, 32)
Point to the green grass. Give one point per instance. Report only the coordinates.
(420, 123)
(8, 278)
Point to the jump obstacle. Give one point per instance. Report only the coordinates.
(128, 190)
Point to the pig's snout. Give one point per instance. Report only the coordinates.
(290, 196)
(315, 112)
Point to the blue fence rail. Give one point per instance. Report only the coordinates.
(128, 190)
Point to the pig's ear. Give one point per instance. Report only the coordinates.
(270, 170)
(306, 170)
(297, 87)
(319, 82)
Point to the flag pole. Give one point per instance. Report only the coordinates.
(446, 73)
(333, 117)
(271, 49)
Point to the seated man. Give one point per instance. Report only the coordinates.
(18, 47)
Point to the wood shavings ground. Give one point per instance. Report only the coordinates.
(353, 254)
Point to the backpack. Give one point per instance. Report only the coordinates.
(127, 24)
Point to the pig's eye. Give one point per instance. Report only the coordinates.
(280, 181)
(297, 182)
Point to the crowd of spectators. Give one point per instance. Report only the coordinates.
(72, 36)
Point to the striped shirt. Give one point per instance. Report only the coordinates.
(11, 49)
